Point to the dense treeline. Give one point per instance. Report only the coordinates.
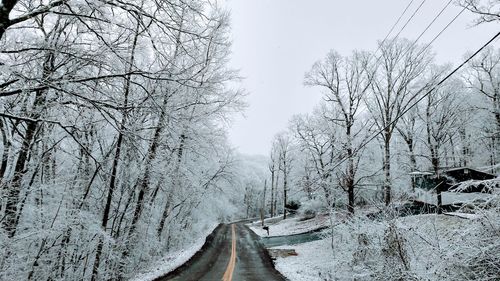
(384, 115)
(112, 130)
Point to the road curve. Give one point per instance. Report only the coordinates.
(231, 252)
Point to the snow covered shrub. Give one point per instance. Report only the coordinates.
(477, 256)
(485, 263)
(293, 206)
(361, 253)
(396, 261)
(310, 207)
(453, 246)
(356, 248)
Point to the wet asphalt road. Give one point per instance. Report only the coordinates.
(252, 261)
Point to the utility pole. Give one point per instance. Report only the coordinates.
(263, 206)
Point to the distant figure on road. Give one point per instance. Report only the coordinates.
(266, 228)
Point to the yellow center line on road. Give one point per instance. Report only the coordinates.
(228, 275)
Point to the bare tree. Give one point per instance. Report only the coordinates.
(94, 112)
(283, 148)
(6, 6)
(441, 118)
(483, 76)
(272, 170)
(316, 137)
(409, 131)
(127, 88)
(487, 10)
(394, 86)
(346, 84)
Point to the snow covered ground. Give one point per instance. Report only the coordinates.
(173, 260)
(421, 247)
(449, 198)
(313, 262)
(295, 225)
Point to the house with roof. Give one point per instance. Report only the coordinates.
(458, 187)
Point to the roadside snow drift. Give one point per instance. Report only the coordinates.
(173, 260)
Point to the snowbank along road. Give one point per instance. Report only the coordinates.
(232, 252)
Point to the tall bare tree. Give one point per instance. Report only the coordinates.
(483, 77)
(316, 137)
(285, 159)
(346, 83)
(272, 169)
(395, 83)
(441, 119)
(409, 131)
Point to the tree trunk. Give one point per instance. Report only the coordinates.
(285, 190)
(14, 189)
(6, 149)
(326, 188)
(272, 191)
(276, 192)
(413, 161)
(350, 172)
(452, 147)
(145, 181)
(350, 186)
(8, 5)
(387, 168)
(116, 159)
(465, 148)
(262, 209)
(107, 208)
(151, 155)
(10, 220)
(439, 199)
(434, 150)
(168, 202)
(307, 184)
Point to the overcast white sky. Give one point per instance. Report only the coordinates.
(276, 41)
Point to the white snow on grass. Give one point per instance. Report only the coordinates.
(173, 260)
(427, 247)
(450, 198)
(312, 263)
(463, 215)
(290, 226)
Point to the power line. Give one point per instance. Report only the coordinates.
(423, 49)
(442, 30)
(433, 20)
(421, 98)
(411, 17)
(421, 34)
(417, 101)
(395, 24)
(426, 29)
(407, 50)
(401, 30)
(432, 41)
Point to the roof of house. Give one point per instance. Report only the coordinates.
(453, 171)
(419, 173)
(468, 173)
